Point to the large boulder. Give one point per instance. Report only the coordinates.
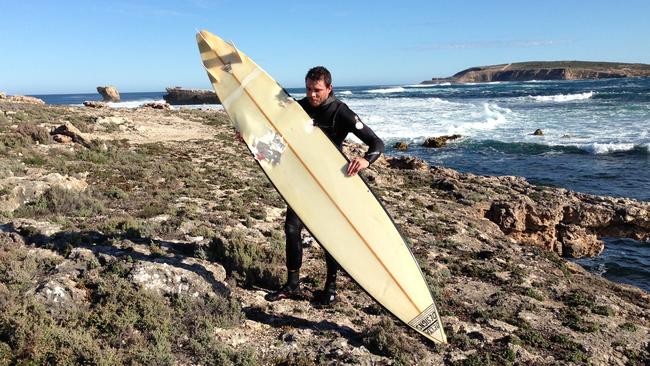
(109, 93)
(180, 96)
(68, 129)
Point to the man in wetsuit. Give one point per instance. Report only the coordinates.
(336, 120)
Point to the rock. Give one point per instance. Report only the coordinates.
(577, 242)
(156, 105)
(94, 104)
(77, 136)
(170, 279)
(3, 95)
(538, 132)
(63, 139)
(24, 99)
(20, 190)
(401, 146)
(179, 96)
(439, 141)
(109, 93)
(407, 162)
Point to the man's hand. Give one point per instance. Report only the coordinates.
(239, 137)
(356, 165)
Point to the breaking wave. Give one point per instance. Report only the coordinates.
(562, 97)
(398, 89)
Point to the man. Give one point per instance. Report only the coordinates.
(336, 120)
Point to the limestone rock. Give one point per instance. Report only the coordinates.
(24, 99)
(109, 93)
(63, 139)
(401, 146)
(21, 190)
(180, 96)
(3, 95)
(577, 242)
(407, 162)
(171, 279)
(94, 104)
(70, 130)
(439, 141)
(155, 105)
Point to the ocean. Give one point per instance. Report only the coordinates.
(596, 138)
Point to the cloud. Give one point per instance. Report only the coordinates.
(490, 44)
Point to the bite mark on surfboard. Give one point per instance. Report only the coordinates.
(269, 148)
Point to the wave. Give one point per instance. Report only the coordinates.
(534, 148)
(616, 148)
(398, 89)
(427, 85)
(134, 103)
(562, 97)
(346, 92)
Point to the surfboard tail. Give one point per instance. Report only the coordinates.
(428, 324)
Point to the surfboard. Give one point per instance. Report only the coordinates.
(309, 172)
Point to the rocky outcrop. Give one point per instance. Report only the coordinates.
(109, 93)
(21, 99)
(19, 190)
(568, 223)
(68, 129)
(547, 70)
(155, 105)
(180, 96)
(440, 141)
(94, 104)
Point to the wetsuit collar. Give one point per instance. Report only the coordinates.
(327, 101)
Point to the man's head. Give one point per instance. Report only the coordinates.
(318, 83)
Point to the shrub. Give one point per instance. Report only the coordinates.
(385, 339)
(248, 263)
(57, 200)
(34, 133)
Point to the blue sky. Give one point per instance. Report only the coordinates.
(73, 46)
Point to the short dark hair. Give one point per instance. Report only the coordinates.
(319, 73)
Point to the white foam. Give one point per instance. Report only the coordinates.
(427, 85)
(346, 92)
(562, 97)
(134, 103)
(398, 89)
(607, 148)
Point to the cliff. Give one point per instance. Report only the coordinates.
(155, 239)
(547, 70)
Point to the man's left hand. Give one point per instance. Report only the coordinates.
(356, 165)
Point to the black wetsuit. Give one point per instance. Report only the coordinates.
(336, 120)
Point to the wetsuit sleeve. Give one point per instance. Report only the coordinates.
(362, 131)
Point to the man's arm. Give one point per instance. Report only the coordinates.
(365, 134)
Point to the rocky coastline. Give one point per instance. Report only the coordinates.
(149, 236)
(546, 70)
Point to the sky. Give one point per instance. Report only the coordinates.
(58, 47)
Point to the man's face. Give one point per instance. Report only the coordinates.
(317, 92)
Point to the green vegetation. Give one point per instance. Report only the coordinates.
(119, 323)
(386, 339)
(248, 263)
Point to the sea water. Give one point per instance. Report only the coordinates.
(596, 138)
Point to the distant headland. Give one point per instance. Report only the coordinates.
(546, 70)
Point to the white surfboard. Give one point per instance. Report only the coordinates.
(309, 172)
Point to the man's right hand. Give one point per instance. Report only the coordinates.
(239, 137)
